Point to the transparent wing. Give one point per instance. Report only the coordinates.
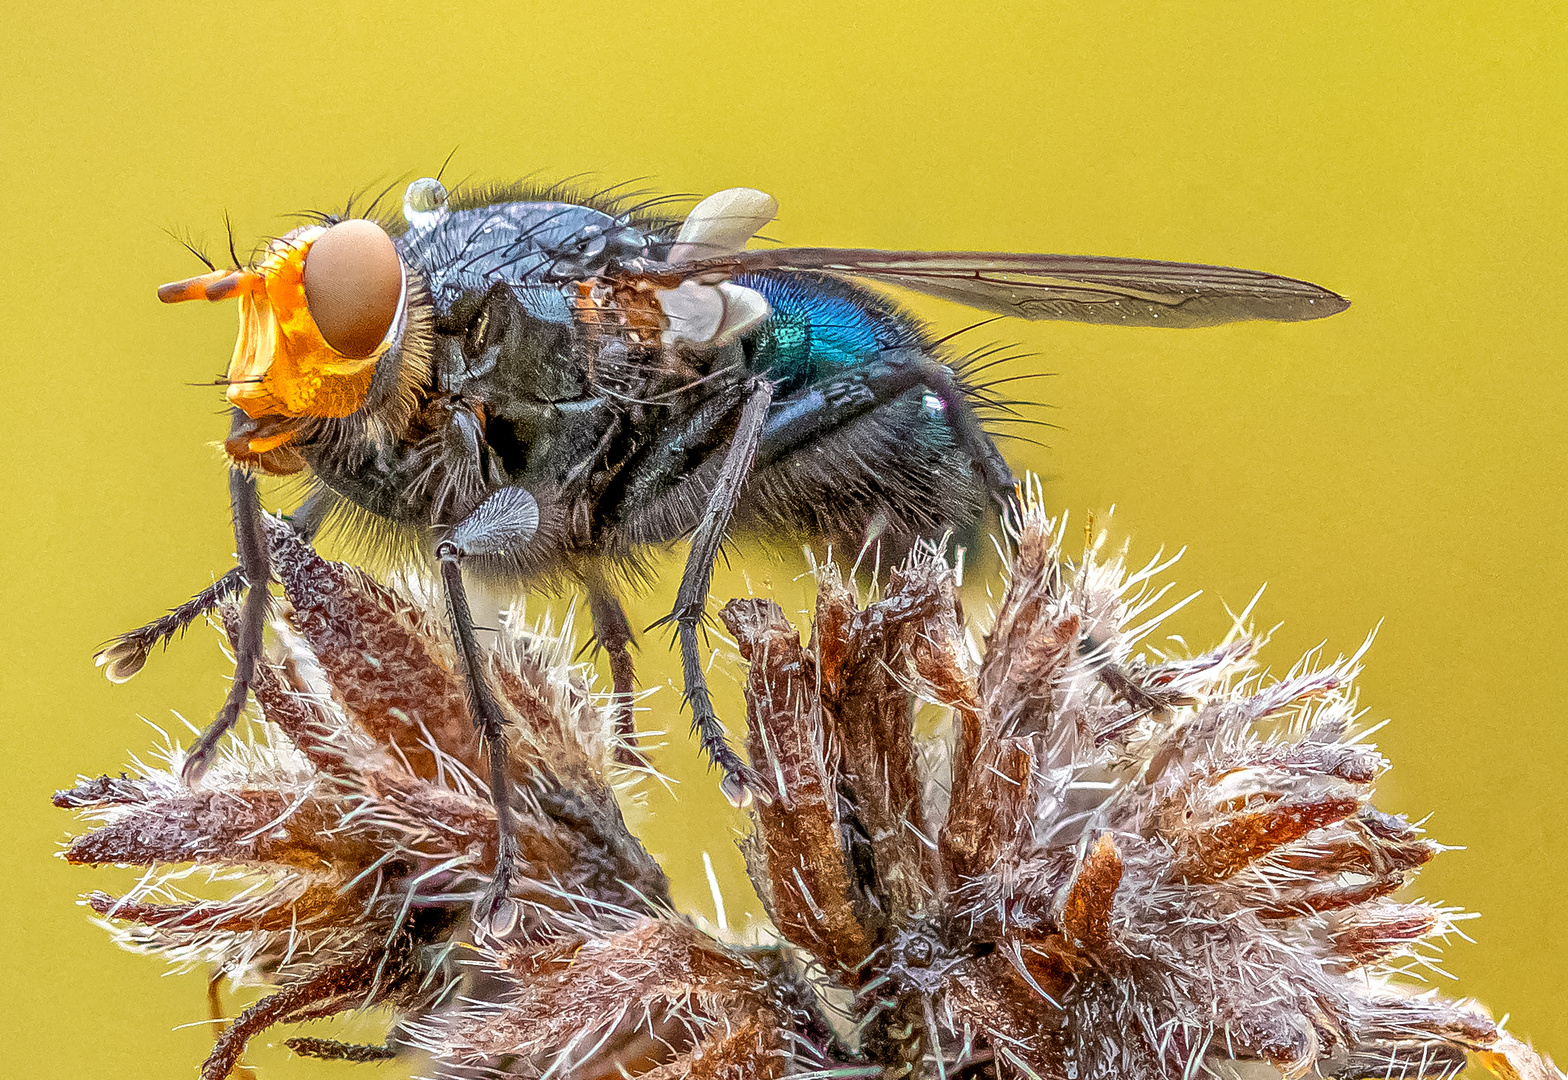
(1078, 288)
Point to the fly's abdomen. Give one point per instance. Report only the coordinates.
(856, 445)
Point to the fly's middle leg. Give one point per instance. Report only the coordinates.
(831, 405)
(613, 633)
(738, 784)
(256, 568)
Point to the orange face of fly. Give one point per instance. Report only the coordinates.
(316, 313)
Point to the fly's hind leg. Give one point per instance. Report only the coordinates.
(502, 524)
(831, 405)
(614, 635)
(127, 654)
(965, 423)
(691, 601)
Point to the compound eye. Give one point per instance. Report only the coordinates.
(353, 281)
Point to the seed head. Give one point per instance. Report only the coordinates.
(1108, 862)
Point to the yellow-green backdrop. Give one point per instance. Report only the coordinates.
(1402, 462)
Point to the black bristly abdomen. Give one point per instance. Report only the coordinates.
(891, 469)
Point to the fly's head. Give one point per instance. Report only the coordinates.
(331, 322)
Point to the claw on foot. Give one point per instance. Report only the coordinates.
(496, 918)
(743, 787)
(121, 659)
(195, 766)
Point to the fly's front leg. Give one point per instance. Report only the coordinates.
(256, 568)
(127, 654)
(502, 524)
(691, 601)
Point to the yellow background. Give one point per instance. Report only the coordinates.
(1402, 462)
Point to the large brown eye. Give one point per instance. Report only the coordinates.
(352, 283)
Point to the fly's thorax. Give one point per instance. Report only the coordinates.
(532, 246)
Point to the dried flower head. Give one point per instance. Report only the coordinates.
(1103, 867)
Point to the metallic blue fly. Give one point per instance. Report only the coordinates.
(536, 389)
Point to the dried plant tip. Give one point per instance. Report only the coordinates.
(1225, 822)
(1086, 908)
(1407, 1062)
(1125, 866)
(1377, 932)
(104, 791)
(356, 831)
(1511, 1059)
(809, 887)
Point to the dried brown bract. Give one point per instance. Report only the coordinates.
(1103, 867)
(357, 833)
(1119, 870)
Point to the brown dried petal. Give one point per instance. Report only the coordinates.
(868, 696)
(1221, 823)
(981, 804)
(988, 999)
(380, 658)
(1383, 849)
(1511, 1059)
(568, 995)
(538, 746)
(279, 911)
(1086, 908)
(1357, 764)
(233, 825)
(990, 814)
(104, 791)
(991, 780)
(1400, 1061)
(1030, 646)
(812, 898)
(1421, 1019)
(747, 1047)
(1374, 933)
(305, 721)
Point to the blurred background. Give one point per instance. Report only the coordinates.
(1402, 463)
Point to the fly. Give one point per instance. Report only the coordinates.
(534, 389)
